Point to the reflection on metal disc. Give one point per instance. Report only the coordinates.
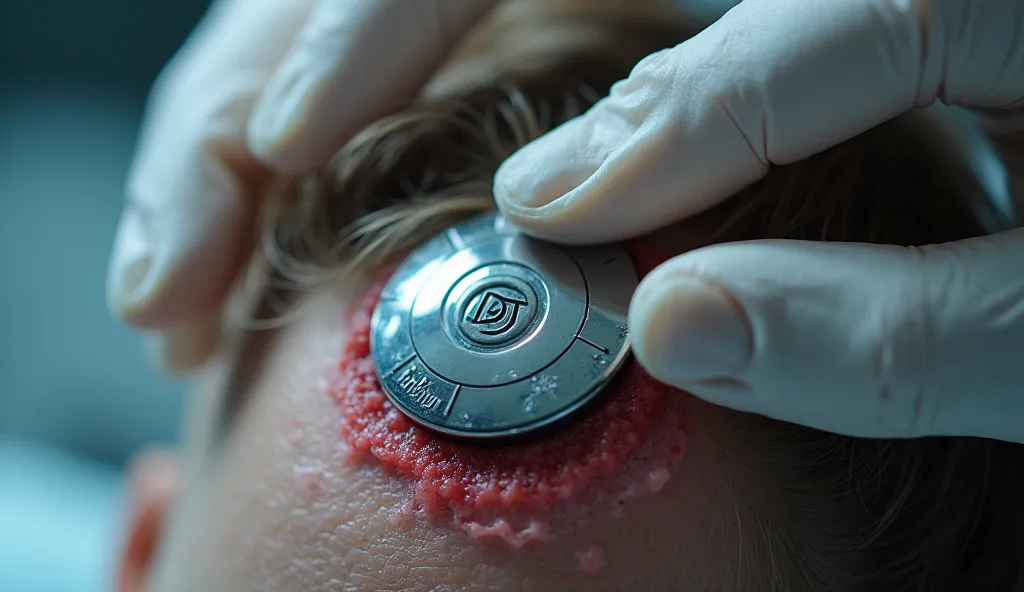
(486, 334)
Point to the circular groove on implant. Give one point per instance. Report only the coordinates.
(484, 334)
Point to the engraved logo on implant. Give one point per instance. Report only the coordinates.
(497, 311)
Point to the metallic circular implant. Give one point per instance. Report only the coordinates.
(485, 334)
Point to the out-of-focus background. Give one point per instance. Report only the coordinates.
(76, 394)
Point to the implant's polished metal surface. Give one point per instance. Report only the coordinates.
(484, 333)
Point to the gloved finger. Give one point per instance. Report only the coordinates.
(1005, 129)
(862, 340)
(191, 186)
(354, 61)
(772, 82)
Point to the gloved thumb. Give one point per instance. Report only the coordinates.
(572, 184)
(693, 124)
(857, 339)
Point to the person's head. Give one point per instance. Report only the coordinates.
(299, 476)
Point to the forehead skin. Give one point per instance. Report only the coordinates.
(278, 507)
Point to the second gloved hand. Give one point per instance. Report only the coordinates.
(864, 340)
(262, 86)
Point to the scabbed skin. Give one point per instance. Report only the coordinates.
(628, 445)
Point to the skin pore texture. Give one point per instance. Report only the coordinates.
(630, 445)
(279, 508)
(298, 476)
(278, 504)
(279, 501)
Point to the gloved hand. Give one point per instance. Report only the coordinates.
(261, 85)
(863, 340)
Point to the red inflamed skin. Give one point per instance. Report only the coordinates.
(628, 445)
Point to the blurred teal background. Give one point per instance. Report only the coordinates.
(76, 394)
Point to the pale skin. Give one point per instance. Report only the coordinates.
(271, 503)
(275, 505)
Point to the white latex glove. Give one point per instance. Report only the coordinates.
(862, 340)
(285, 80)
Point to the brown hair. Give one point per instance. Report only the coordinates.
(847, 513)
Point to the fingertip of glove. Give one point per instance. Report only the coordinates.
(687, 329)
(141, 295)
(136, 292)
(551, 167)
(171, 275)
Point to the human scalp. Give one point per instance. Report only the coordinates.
(839, 513)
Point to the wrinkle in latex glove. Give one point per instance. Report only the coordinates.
(865, 340)
(190, 186)
(355, 61)
(322, 69)
(772, 82)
